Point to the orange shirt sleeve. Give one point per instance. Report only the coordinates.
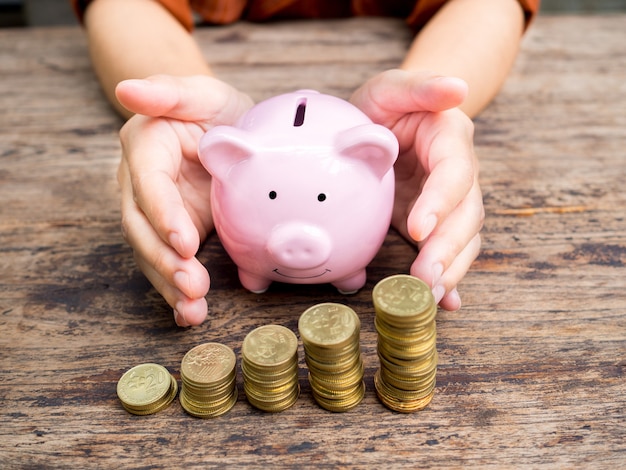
(227, 11)
(180, 9)
(425, 9)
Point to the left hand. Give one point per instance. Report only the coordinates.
(438, 202)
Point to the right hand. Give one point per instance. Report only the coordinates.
(165, 189)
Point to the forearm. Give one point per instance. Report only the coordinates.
(136, 39)
(476, 40)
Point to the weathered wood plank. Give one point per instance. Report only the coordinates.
(531, 369)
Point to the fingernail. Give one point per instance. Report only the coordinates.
(182, 281)
(176, 242)
(455, 297)
(179, 317)
(437, 273)
(438, 293)
(430, 222)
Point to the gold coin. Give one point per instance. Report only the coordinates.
(208, 377)
(208, 363)
(411, 385)
(279, 405)
(340, 380)
(334, 355)
(330, 335)
(409, 325)
(340, 405)
(156, 407)
(407, 338)
(208, 412)
(269, 364)
(269, 395)
(331, 391)
(338, 368)
(397, 402)
(274, 400)
(146, 387)
(328, 325)
(405, 355)
(269, 346)
(403, 334)
(204, 402)
(269, 380)
(416, 368)
(402, 296)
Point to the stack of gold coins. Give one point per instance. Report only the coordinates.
(330, 334)
(405, 322)
(269, 364)
(208, 376)
(146, 389)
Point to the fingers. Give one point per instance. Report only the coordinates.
(187, 311)
(395, 93)
(453, 275)
(437, 201)
(194, 98)
(448, 214)
(183, 282)
(165, 190)
(149, 169)
(444, 148)
(446, 255)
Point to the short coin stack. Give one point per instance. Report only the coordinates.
(146, 389)
(405, 322)
(269, 364)
(330, 334)
(208, 376)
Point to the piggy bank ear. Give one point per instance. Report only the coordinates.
(372, 143)
(222, 147)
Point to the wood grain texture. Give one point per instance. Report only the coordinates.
(531, 369)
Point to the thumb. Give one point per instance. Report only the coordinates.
(192, 98)
(402, 92)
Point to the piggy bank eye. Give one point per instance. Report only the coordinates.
(321, 197)
(272, 194)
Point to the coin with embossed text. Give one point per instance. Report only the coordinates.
(269, 365)
(146, 389)
(208, 375)
(407, 343)
(403, 297)
(269, 346)
(331, 338)
(208, 363)
(328, 325)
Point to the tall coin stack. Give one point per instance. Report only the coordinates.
(330, 334)
(208, 376)
(405, 322)
(146, 389)
(269, 364)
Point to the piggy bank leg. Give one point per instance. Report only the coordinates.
(253, 283)
(351, 284)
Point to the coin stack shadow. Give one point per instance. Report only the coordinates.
(407, 336)
(146, 389)
(208, 374)
(269, 365)
(330, 335)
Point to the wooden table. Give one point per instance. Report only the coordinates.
(531, 369)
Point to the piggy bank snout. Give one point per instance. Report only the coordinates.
(299, 246)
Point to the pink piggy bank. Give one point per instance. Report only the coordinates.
(302, 191)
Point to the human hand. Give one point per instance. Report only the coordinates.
(438, 202)
(165, 190)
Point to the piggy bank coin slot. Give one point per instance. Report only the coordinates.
(300, 110)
